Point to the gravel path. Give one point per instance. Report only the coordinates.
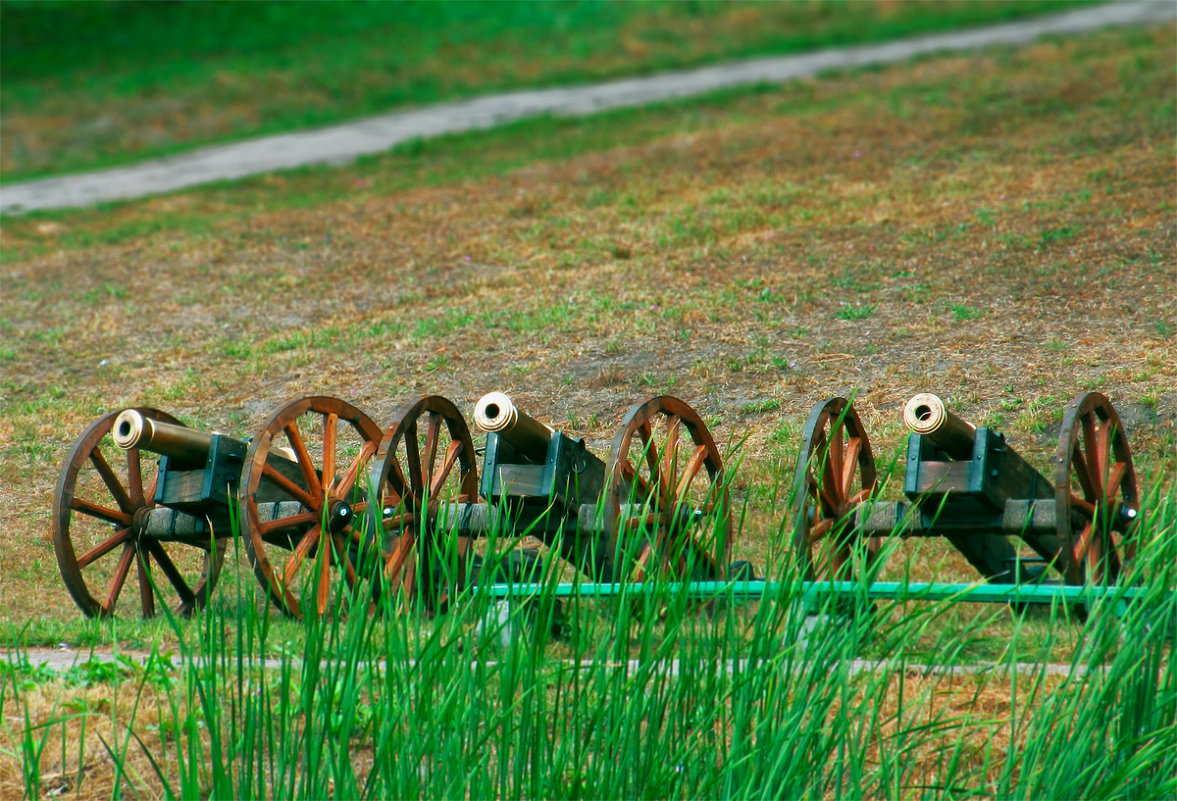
(340, 144)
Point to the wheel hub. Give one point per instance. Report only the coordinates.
(339, 517)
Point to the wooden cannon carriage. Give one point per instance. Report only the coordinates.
(322, 496)
(968, 485)
(326, 500)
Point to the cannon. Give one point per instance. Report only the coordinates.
(323, 497)
(966, 484)
(120, 515)
(658, 507)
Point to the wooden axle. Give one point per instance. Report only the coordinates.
(1020, 517)
(172, 524)
(483, 519)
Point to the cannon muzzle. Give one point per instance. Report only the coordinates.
(926, 414)
(187, 446)
(496, 414)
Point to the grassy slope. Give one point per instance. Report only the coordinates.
(88, 84)
(995, 227)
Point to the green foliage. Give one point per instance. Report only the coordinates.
(127, 80)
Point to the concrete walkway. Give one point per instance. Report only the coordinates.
(340, 144)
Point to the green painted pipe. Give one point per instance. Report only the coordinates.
(813, 590)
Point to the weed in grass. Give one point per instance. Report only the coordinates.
(1050, 237)
(961, 312)
(856, 311)
(760, 407)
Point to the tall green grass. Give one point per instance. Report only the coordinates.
(648, 696)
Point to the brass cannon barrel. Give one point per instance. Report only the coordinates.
(186, 446)
(927, 415)
(495, 413)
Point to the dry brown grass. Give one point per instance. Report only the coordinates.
(1002, 225)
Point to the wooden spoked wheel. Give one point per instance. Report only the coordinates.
(425, 468)
(667, 510)
(1096, 500)
(301, 491)
(103, 499)
(835, 475)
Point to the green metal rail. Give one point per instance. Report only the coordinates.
(818, 590)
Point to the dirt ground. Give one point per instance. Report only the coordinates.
(996, 228)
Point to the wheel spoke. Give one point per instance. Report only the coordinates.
(1083, 505)
(149, 495)
(355, 534)
(291, 568)
(408, 582)
(690, 470)
(394, 564)
(642, 562)
(1083, 544)
(283, 523)
(349, 572)
(432, 426)
(100, 512)
(348, 479)
(447, 466)
(304, 460)
(187, 596)
(396, 481)
(146, 594)
(859, 497)
(1112, 490)
(834, 454)
(1081, 472)
(1103, 437)
(820, 529)
(850, 465)
(135, 476)
(830, 481)
(839, 564)
(669, 456)
(649, 521)
(413, 460)
(117, 491)
(120, 576)
(292, 489)
(640, 489)
(829, 503)
(103, 548)
(400, 521)
(324, 588)
(1091, 451)
(649, 449)
(329, 432)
